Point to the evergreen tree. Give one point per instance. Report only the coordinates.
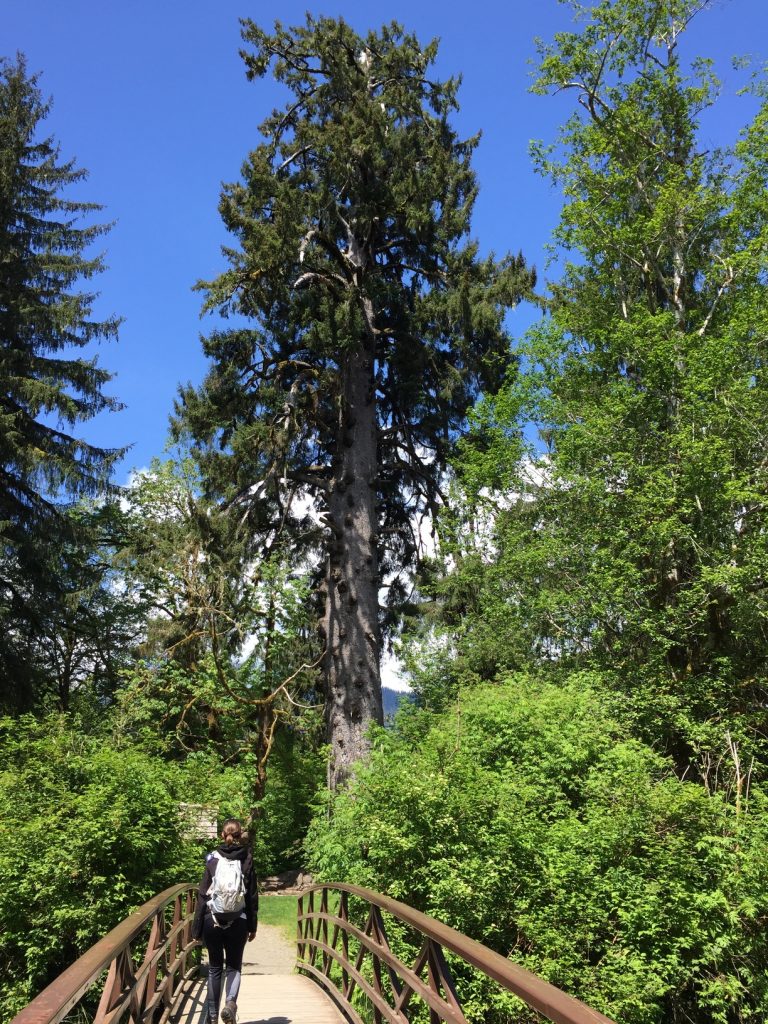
(44, 391)
(373, 324)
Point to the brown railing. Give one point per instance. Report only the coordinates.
(145, 992)
(355, 960)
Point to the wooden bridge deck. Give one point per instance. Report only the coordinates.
(270, 993)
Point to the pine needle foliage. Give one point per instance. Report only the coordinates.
(367, 322)
(45, 392)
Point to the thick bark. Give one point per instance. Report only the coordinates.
(351, 627)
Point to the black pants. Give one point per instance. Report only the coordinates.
(224, 944)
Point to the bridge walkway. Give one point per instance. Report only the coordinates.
(270, 992)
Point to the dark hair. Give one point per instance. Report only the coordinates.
(232, 831)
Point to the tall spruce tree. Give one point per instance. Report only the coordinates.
(373, 324)
(44, 390)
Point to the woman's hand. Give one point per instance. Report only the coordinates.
(251, 936)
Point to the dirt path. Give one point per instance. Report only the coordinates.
(269, 953)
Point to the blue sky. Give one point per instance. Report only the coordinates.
(150, 98)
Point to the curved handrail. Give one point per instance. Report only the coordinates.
(317, 956)
(141, 990)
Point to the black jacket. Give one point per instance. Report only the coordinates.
(243, 854)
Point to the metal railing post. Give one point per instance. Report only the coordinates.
(375, 959)
(130, 995)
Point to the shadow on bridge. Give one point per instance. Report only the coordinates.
(192, 1009)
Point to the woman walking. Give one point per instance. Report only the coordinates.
(225, 916)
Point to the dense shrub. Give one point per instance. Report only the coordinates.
(296, 773)
(87, 833)
(217, 757)
(528, 819)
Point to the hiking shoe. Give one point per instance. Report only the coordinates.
(229, 1013)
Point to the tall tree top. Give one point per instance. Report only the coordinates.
(353, 217)
(44, 252)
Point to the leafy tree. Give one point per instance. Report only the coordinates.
(528, 817)
(88, 628)
(229, 650)
(371, 323)
(182, 567)
(96, 834)
(635, 542)
(45, 391)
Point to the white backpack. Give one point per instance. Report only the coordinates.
(227, 892)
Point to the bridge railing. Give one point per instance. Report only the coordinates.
(141, 989)
(353, 959)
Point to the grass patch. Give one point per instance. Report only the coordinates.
(279, 911)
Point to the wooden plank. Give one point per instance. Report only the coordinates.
(267, 999)
(281, 998)
(269, 992)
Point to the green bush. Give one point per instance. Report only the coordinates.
(293, 777)
(528, 819)
(222, 772)
(87, 833)
(295, 774)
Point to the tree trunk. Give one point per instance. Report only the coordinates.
(266, 721)
(353, 684)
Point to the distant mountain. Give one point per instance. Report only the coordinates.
(392, 699)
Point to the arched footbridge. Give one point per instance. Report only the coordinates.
(361, 958)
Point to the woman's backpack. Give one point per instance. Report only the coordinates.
(227, 892)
